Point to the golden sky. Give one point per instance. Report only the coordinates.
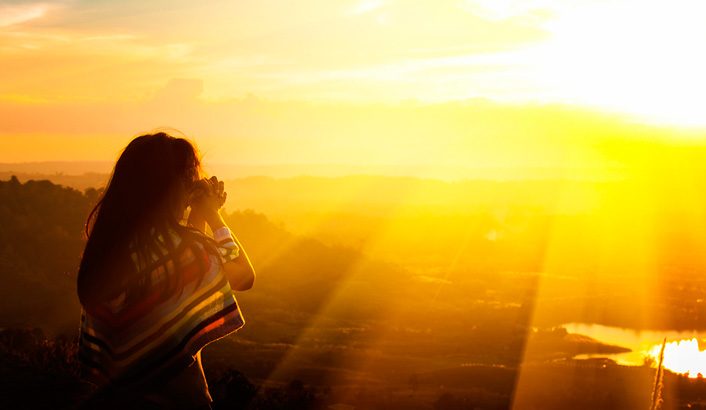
(357, 82)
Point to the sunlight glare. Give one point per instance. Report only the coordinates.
(641, 59)
(683, 357)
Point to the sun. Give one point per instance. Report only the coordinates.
(642, 59)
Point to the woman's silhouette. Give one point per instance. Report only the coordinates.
(154, 290)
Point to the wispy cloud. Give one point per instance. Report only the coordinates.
(365, 50)
(13, 14)
(367, 6)
(497, 10)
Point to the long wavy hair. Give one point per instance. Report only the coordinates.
(139, 210)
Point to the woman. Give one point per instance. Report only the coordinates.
(155, 291)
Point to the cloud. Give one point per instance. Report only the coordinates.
(367, 6)
(576, 52)
(14, 14)
(180, 89)
(498, 10)
(315, 51)
(261, 131)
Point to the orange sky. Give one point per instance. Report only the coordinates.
(475, 83)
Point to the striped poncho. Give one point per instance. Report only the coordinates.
(125, 345)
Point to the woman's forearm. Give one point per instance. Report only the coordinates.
(196, 221)
(239, 270)
(244, 274)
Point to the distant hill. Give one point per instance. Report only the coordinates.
(57, 167)
(42, 240)
(557, 239)
(78, 181)
(40, 246)
(322, 314)
(367, 194)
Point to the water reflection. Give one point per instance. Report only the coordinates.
(682, 353)
(683, 356)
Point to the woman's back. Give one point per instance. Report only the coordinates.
(141, 343)
(154, 291)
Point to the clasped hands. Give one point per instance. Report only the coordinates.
(206, 197)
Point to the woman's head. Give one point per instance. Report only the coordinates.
(144, 200)
(151, 178)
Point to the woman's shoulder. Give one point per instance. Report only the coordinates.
(190, 239)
